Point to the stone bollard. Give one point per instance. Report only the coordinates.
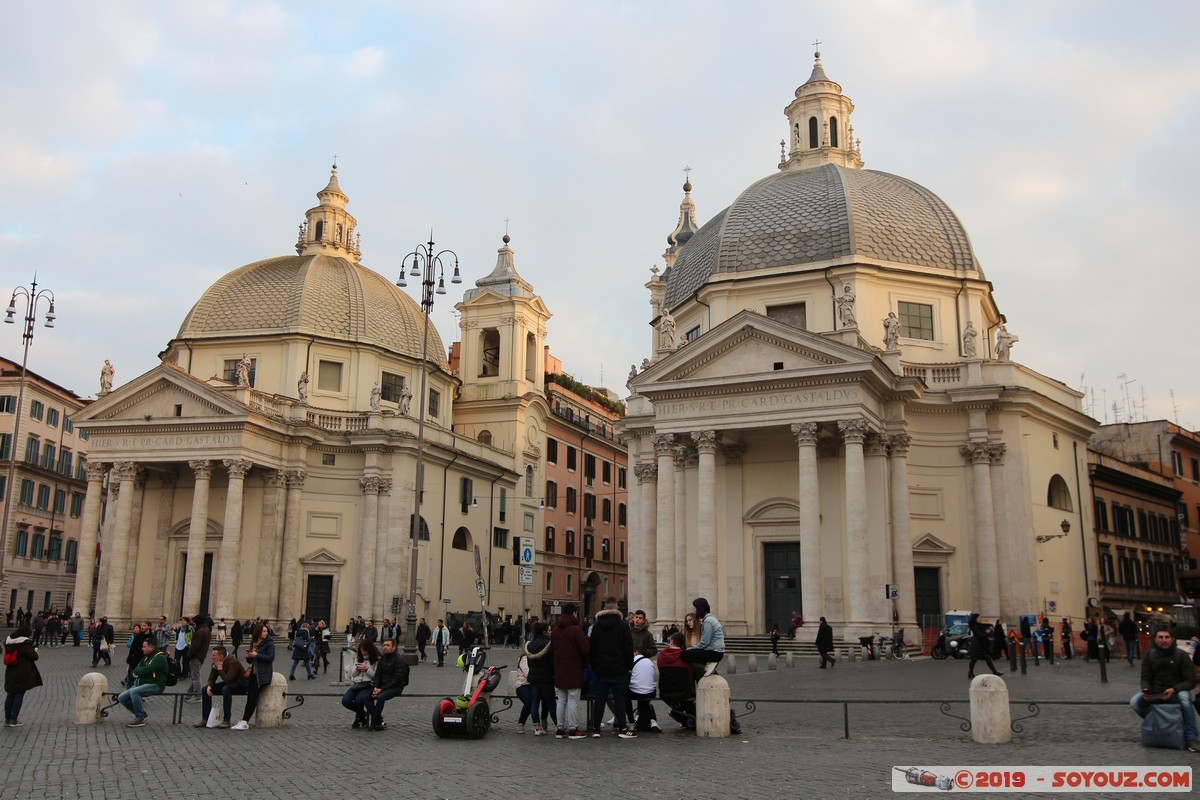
(772, 662)
(852, 654)
(712, 707)
(729, 665)
(752, 663)
(789, 658)
(989, 711)
(271, 701)
(90, 697)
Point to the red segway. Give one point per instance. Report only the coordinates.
(468, 714)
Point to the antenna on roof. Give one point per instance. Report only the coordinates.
(1174, 407)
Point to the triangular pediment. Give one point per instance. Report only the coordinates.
(155, 395)
(751, 345)
(322, 558)
(930, 545)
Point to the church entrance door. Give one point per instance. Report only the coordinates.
(781, 579)
(318, 600)
(205, 586)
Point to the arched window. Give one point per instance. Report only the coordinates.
(319, 231)
(485, 437)
(423, 536)
(812, 132)
(461, 540)
(1058, 495)
(833, 139)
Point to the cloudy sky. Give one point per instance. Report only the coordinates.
(148, 148)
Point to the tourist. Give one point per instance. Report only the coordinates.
(391, 676)
(611, 648)
(710, 648)
(1129, 633)
(643, 685)
(261, 658)
(775, 637)
(225, 679)
(691, 629)
(980, 647)
(20, 673)
(825, 644)
(362, 674)
(300, 654)
(1169, 676)
(196, 653)
(643, 640)
(76, 629)
(149, 678)
(1068, 644)
(525, 691)
(441, 642)
(570, 650)
(141, 632)
(321, 636)
(102, 642)
(423, 634)
(541, 678)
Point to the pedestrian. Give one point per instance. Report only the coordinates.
(999, 641)
(196, 653)
(525, 691)
(423, 634)
(711, 647)
(76, 628)
(149, 678)
(183, 640)
(1129, 633)
(441, 642)
(221, 629)
(1068, 644)
(362, 674)
(643, 640)
(825, 643)
(541, 678)
(224, 679)
(235, 636)
(391, 676)
(1169, 676)
(321, 637)
(611, 646)
(52, 630)
(1091, 632)
(39, 625)
(570, 651)
(1027, 642)
(20, 673)
(102, 642)
(300, 644)
(164, 636)
(261, 657)
(980, 647)
(775, 637)
(506, 630)
(1047, 639)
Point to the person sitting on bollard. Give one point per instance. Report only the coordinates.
(355, 698)
(261, 657)
(1168, 676)
(224, 679)
(149, 678)
(391, 676)
(711, 647)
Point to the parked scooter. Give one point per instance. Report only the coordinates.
(951, 642)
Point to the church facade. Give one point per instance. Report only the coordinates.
(830, 420)
(268, 466)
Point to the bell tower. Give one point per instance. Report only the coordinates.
(328, 228)
(819, 125)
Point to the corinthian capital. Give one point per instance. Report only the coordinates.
(238, 467)
(202, 468)
(646, 473)
(663, 443)
(385, 486)
(95, 470)
(854, 430)
(295, 478)
(126, 470)
(899, 443)
(976, 452)
(706, 441)
(805, 433)
(369, 484)
(996, 451)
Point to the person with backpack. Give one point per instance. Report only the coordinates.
(102, 642)
(150, 678)
(20, 673)
(1168, 676)
(301, 640)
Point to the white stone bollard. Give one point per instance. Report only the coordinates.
(990, 718)
(712, 707)
(772, 662)
(271, 701)
(752, 663)
(90, 697)
(729, 665)
(789, 658)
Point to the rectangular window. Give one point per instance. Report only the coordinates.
(1177, 462)
(551, 500)
(551, 450)
(692, 335)
(391, 387)
(916, 320)
(571, 459)
(589, 506)
(621, 477)
(3, 486)
(435, 402)
(5, 446)
(1101, 515)
(500, 537)
(33, 449)
(68, 425)
(38, 547)
(229, 370)
(72, 551)
(329, 376)
(549, 538)
(43, 497)
(26, 492)
(54, 551)
(1184, 521)
(606, 516)
(37, 409)
(80, 472)
(528, 522)
(621, 550)
(570, 586)
(60, 501)
(503, 504)
(66, 462)
(549, 581)
(794, 314)
(49, 456)
(22, 545)
(589, 466)
(570, 543)
(76, 505)
(571, 499)
(622, 515)
(502, 574)
(604, 552)
(8, 404)
(52, 418)
(606, 472)
(466, 494)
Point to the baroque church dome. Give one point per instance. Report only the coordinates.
(821, 206)
(323, 291)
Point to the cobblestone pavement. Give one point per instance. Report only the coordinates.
(787, 749)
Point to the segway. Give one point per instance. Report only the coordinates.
(468, 714)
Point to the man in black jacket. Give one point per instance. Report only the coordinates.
(1168, 676)
(612, 659)
(825, 643)
(391, 676)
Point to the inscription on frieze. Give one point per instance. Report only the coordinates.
(803, 398)
(165, 440)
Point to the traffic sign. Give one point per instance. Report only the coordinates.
(480, 587)
(527, 551)
(525, 576)
(893, 591)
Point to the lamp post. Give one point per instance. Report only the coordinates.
(426, 263)
(32, 297)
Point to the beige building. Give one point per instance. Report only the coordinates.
(830, 420)
(44, 503)
(267, 467)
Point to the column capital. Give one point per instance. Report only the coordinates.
(273, 479)
(385, 486)
(369, 484)
(734, 452)
(706, 441)
(126, 470)
(663, 443)
(238, 467)
(805, 433)
(202, 468)
(996, 451)
(854, 431)
(295, 478)
(95, 470)
(646, 473)
(684, 456)
(976, 452)
(899, 443)
(874, 444)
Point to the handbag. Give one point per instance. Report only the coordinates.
(214, 717)
(10, 658)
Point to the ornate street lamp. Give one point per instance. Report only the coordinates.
(32, 296)
(426, 263)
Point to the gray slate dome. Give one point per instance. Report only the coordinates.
(318, 295)
(828, 212)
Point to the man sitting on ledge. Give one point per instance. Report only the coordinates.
(391, 676)
(1168, 676)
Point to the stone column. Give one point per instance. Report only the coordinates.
(858, 589)
(126, 472)
(86, 555)
(289, 561)
(706, 512)
(108, 527)
(643, 555)
(162, 544)
(197, 533)
(1010, 568)
(382, 547)
(231, 539)
(978, 454)
(368, 522)
(266, 596)
(812, 592)
(683, 457)
(664, 444)
(732, 574)
(135, 538)
(902, 559)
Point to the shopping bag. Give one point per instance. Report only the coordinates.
(214, 718)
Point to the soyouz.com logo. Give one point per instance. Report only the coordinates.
(1021, 779)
